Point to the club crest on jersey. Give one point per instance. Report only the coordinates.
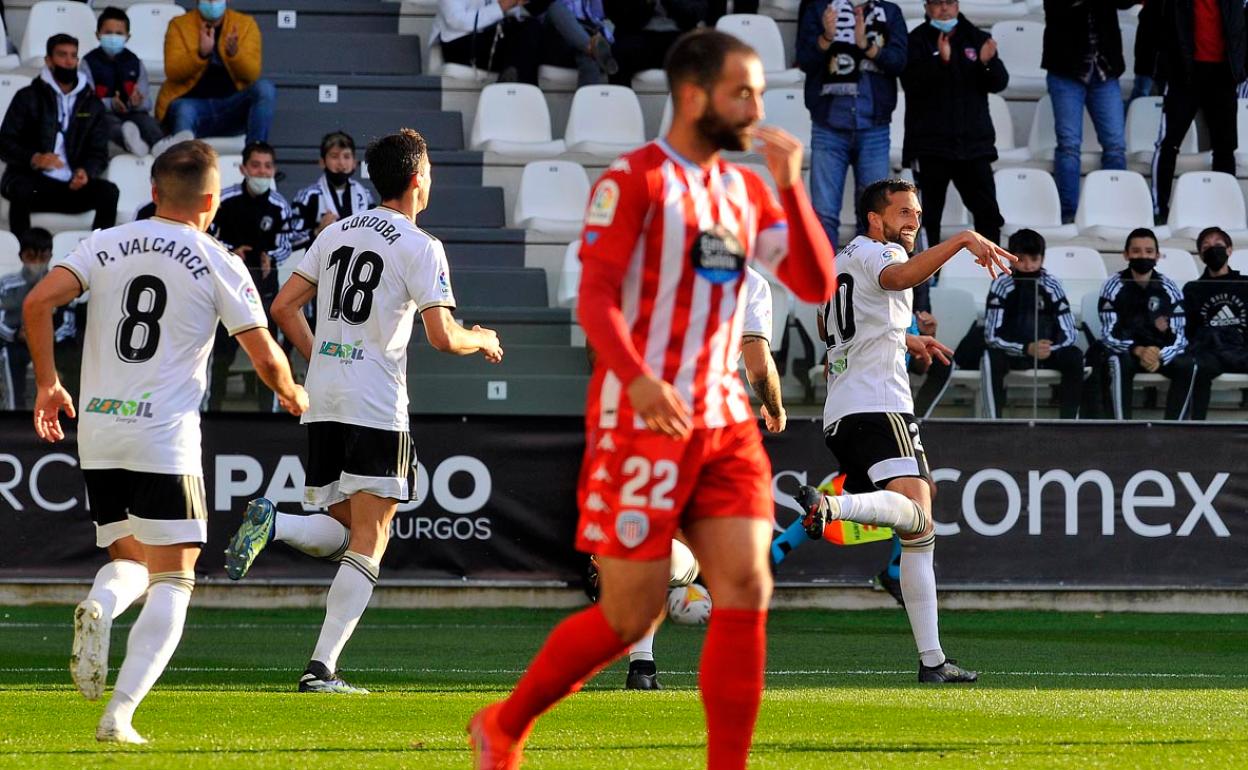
(631, 528)
(266, 223)
(602, 208)
(717, 255)
(125, 410)
(342, 351)
(840, 365)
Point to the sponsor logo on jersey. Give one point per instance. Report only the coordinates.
(594, 502)
(593, 533)
(631, 528)
(342, 351)
(127, 410)
(601, 475)
(602, 208)
(606, 443)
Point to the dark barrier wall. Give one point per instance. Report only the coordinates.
(1071, 504)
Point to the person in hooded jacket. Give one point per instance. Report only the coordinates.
(1217, 317)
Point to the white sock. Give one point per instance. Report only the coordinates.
(117, 585)
(643, 648)
(316, 534)
(348, 597)
(883, 508)
(153, 638)
(918, 587)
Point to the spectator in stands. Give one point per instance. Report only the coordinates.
(645, 29)
(491, 36)
(1028, 325)
(54, 142)
(852, 56)
(212, 75)
(577, 34)
(35, 253)
(119, 79)
(951, 68)
(1143, 326)
(1083, 57)
(334, 196)
(253, 222)
(1204, 61)
(1217, 317)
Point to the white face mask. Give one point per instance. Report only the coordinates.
(259, 185)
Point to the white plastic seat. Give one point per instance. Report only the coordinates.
(605, 120)
(230, 169)
(462, 75)
(1144, 117)
(1178, 265)
(897, 131)
(1239, 261)
(513, 119)
(1042, 139)
(148, 24)
(650, 81)
(9, 86)
(133, 177)
(226, 145)
(552, 197)
(994, 11)
(786, 108)
(1028, 198)
(1003, 126)
(66, 241)
(762, 34)
(955, 217)
(1080, 269)
(1241, 129)
(961, 272)
(49, 17)
(8, 59)
(666, 121)
(569, 277)
(956, 310)
(56, 222)
(1205, 198)
(552, 78)
(1112, 204)
(10, 261)
(1019, 44)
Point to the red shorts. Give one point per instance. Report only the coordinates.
(637, 487)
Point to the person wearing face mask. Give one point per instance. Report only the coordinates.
(212, 75)
(54, 143)
(951, 68)
(35, 252)
(334, 196)
(253, 222)
(1144, 328)
(1217, 317)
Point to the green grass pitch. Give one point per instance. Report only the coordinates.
(1057, 691)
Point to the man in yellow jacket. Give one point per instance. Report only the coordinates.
(212, 75)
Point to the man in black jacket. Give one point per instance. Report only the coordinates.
(1217, 317)
(645, 29)
(1203, 53)
(54, 142)
(951, 68)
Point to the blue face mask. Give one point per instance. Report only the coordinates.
(113, 44)
(944, 25)
(212, 9)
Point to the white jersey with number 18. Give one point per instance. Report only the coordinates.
(157, 288)
(374, 272)
(866, 328)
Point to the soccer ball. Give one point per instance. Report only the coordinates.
(684, 566)
(690, 605)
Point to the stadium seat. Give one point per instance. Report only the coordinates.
(1042, 139)
(993, 11)
(513, 119)
(230, 169)
(148, 22)
(55, 222)
(226, 145)
(10, 262)
(914, 22)
(66, 241)
(49, 17)
(961, 272)
(1112, 204)
(1028, 198)
(465, 77)
(569, 276)
(1019, 44)
(786, 108)
(763, 36)
(1178, 265)
(1003, 126)
(1127, 79)
(605, 120)
(650, 81)
(552, 197)
(1241, 128)
(1143, 121)
(9, 86)
(954, 218)
(552, 78)
(1080, 269)
(1239, 261)
(1205, 198)
(8, 59)
(956, 310)
(897, 132)
(666, 121)
(133, 177)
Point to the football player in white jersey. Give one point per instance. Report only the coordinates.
(158, 289)
(868, 419)
(371, 274)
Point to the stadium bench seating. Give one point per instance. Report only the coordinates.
(47, 18)
(513, 119)
(552, 197)
(1205, 198)
(148, 23)
(1028, 198)
(763, 35)
(605, 120)
(1020, 44)
(1112, 204)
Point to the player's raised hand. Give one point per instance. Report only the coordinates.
(49, 403)
(925, 348)
(297, 403)
(783, 153)
(660, 406)
(988, 255)
(490, 347)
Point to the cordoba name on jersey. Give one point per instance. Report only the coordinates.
(382, 227)
(183, 255)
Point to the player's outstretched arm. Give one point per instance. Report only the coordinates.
(287, 312)
(273, 369)
(924, 265)
(446, 335)
(57, 288)
(760, 369)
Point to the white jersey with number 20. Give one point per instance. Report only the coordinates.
(374, 272)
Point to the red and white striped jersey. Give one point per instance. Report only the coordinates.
(681, 235)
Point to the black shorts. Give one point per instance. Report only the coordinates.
(345, 459)
(156, 508)
(876, 447)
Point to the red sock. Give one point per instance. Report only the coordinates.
(574, 652)
(731, 678)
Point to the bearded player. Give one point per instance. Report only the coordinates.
(671, 443)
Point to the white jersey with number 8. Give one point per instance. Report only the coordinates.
(374, 272)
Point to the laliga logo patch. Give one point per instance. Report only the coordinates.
(631, 528)
(602, 208)
(717, 255)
